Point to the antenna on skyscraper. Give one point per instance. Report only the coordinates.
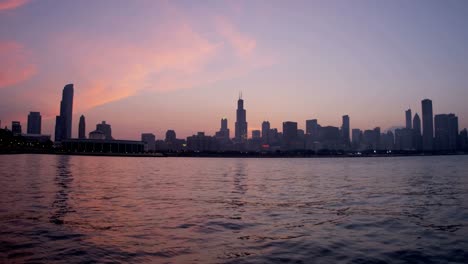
(240, 95)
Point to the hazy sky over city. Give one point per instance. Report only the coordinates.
(149, 66)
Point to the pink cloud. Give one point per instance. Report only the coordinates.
(243, 44)
(15, 66)
(11, 4)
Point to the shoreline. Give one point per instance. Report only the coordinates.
(237, 154)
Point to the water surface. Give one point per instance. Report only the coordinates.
(199, 210)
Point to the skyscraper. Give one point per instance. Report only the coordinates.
(453, 132)
(82, 128)
(417, 139)
(265, 132)
(223, 134)
(289, 135)
(16, 127)
(428, 125)
(408, 119)
(312, 128)
(34, 123)
(241, 122)
(441, 124)
(345, 130)
(63, 122)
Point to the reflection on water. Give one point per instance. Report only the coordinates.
(63, 180)
(102, 209)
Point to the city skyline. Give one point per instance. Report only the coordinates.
(300, 61)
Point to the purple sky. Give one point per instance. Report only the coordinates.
(149, 66)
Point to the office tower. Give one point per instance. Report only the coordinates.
(289, 135)
(34, 123)
(453, 132)
(63, 122)
(417, 138)
(149, 140)
(223, 134)
(170, 136)
(404, 139)
(345, 130)
(241, 122)
(106, 129)
(265, 132)
(377, 137)
(256, 134)
(408, 119)
(312, 128)
(428, 125)
(463, 145)
(441, 124)
(82, 128)
(16, 127)
(356, 136)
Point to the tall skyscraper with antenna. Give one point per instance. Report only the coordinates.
(241, 121)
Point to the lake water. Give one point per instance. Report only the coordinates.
(200, 210)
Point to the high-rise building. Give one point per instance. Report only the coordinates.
(34, 123)
(223, 134)
(289, 135)
(82, 128)
(312, 128)
(170, 136)
(453, 132)
(265, 132)
(441, 140)
(428, 125)
(417, 138)
(463, 145)
(63, 122)
(345, 130)
(256, 134)
(149, 140)
(106, 129)
(356, 135)
(241, 122)
(16, 127)
(408, 119)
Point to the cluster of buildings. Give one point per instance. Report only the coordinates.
(431, 133)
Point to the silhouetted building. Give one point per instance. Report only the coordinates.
(63, 122)
(345, 129)
(241, 122)
(97, 135)
(417, 137)
(223, 134)
(265, 132)
(453, 132)
(289, 135)
(446, 132)
(171, 142)
(34, 123)
(408, 119)
(16, 127)
(387, 140)
(102, 146)
(149, 140)
(200, 143)
(256, 134)
(170, 136)
(463, 140)
(428, 125)
(404, 139)
(82, 128)
(312, 128)
(330, 138)
(106, 129)
(371, 139)
(356, 135)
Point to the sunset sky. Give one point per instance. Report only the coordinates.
(149, 66)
